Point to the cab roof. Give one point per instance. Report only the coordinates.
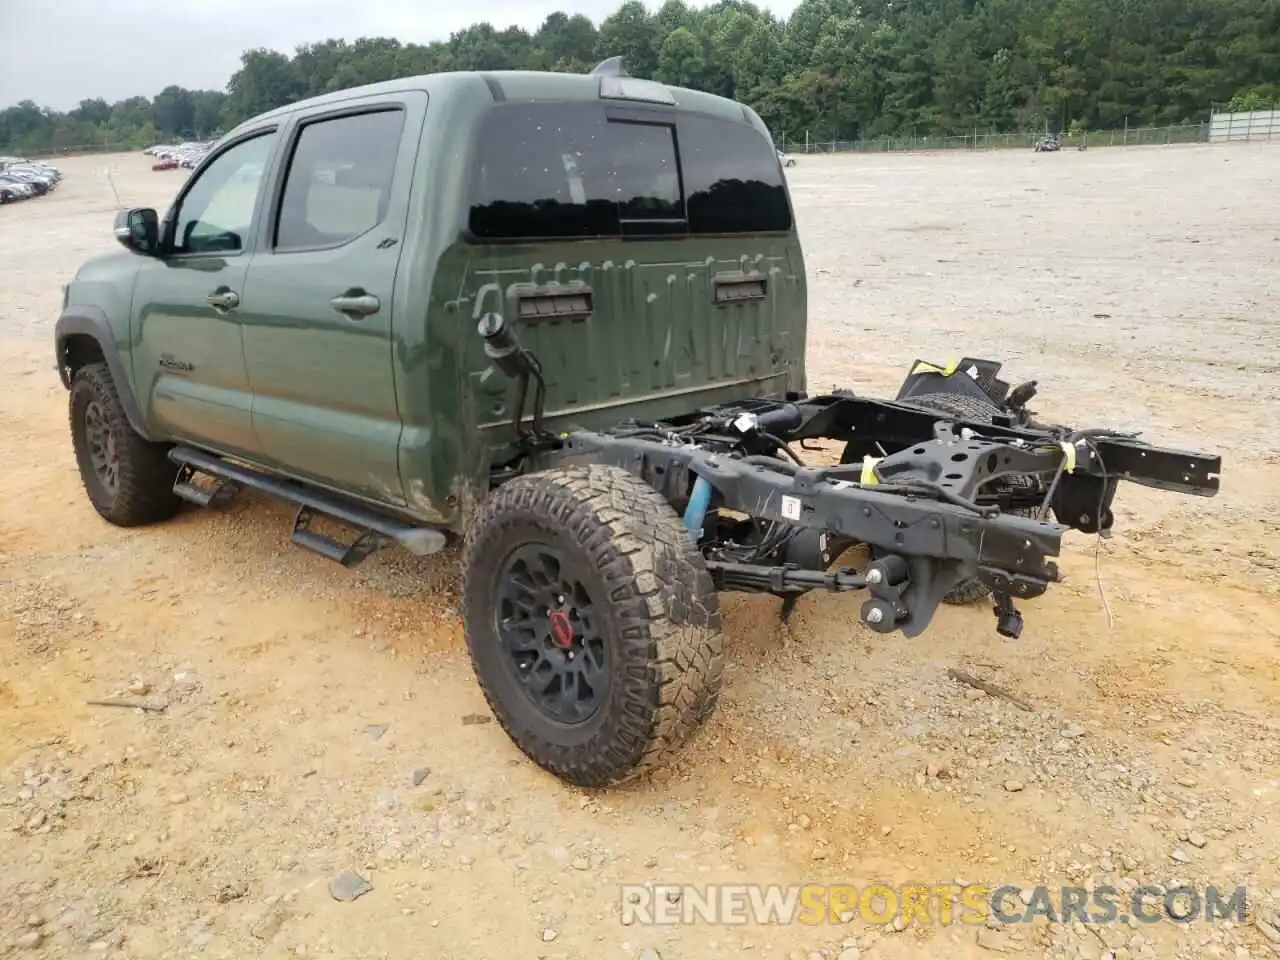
(516, 85)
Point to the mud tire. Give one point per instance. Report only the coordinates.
(654, 607)
(142, 489)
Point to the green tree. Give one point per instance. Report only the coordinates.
(832, 69)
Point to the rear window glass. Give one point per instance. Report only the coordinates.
(559, 170)
(732, 178)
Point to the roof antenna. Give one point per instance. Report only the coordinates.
(613, 67)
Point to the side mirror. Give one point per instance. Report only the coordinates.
(138, 230)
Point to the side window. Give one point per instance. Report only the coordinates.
(215, 214)
(339, 180)
(732, 178)
(566, 170)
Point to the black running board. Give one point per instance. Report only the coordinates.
(375, 529)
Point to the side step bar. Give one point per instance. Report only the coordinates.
(376, 529)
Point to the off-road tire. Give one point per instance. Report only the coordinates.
(957, 405)
(661, 613)
(975, 410)
(144, 489)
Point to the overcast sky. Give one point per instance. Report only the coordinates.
(63, 51)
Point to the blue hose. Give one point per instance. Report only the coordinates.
(696, 511)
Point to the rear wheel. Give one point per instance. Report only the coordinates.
(592, 624)
(129, 480)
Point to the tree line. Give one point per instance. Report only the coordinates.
(834, 69)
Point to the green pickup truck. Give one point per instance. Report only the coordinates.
(561, 318)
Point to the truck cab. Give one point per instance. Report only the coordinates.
(308, 303)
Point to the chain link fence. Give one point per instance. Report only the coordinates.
(81, 150)
(1130, 137)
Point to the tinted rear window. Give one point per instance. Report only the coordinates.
(559, 170)
(732, 178)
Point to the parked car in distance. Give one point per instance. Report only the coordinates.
(41, 184)
(17, 189)
(23, 179)
(172, 156)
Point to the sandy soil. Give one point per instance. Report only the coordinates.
(304, 701)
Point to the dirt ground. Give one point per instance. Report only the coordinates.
(320, 720)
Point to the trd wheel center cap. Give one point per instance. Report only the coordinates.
(561, 629)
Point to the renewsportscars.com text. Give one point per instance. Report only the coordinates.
(924, 904)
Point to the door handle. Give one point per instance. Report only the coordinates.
(356, 303)
(223, 299)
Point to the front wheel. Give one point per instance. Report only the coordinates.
(592, 624)
(128, 479)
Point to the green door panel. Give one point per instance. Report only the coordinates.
(324, 401)
(325, 404)
(188, 358)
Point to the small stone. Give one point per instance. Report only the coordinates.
(139, 688)
(804, 821)
(648, 953)
(1196, 839)
(29, 940)
(420, 775)
(99, 946)
(1013, 786)
(349, 885)
(1072, 730)
(898, 924)
(473, 719)
(850, 953)
(548, 935)
(268, 926)
(178, 797)
(1186, 781)
(581, 863)
(1178, 855)
(376, 730)
(35, 920)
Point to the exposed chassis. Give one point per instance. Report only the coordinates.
(919, 507)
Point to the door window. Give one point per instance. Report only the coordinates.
(339, 182)
(215, 214)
